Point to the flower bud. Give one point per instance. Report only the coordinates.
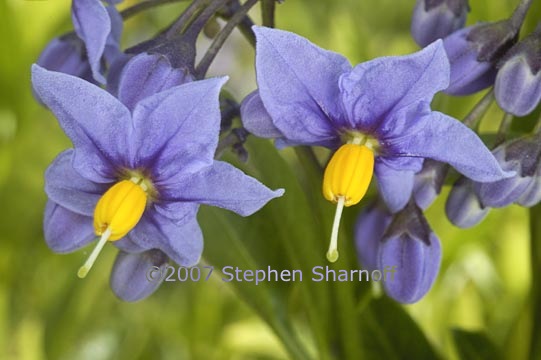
(473, 53)
(428, 182)
(414, 250)
(435, 19)
(521, 155)
(369, 229)
(463, 208)
(148, 74)
(132, 276)
(518, 83)
(66, 54)
(532, 194)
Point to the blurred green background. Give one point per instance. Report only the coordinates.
(46, 312)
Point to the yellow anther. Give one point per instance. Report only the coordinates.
(117, 212)
(348, 174)
(345, 182)
(120, 209)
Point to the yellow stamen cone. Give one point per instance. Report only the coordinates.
(117, 212)
(345, 183)
(120, 209)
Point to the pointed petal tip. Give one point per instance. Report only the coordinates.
(35, 68)
(37, 73)
(222, 79)
(279, 192)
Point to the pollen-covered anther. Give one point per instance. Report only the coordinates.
(348, 174)
(345, 183)
(116, 213)
(120, 208)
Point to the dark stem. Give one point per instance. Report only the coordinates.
(218, 42)
(267, 12)
(198, 24)
(179, 25)
(245, 26)
(144, 5)
(476, 114)
(520, 13)
(535, 259)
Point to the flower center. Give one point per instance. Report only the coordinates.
(346, 180)
(116, 213)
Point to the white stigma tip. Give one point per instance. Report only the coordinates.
(83, 270)
(332, 253)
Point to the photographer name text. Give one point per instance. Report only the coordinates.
(235, 274)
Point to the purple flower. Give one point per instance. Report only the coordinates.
(97, 35)
(378, 113)
(137, 175)
(404, 243)
(133, 277)
(463, 207)
(435, 19)
(411, 246)
(473, 52)
(518, 83)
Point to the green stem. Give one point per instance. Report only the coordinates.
(245, 26)
(479, 110)
(180, 24)
(198, 24)
(535, 258)
(350, 336)
(505, 125)
(218, 42)
(267, 12)
(345, 335)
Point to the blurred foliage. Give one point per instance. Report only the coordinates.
(46, 312)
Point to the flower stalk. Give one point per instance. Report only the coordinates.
(220, 39)
(479, 110)
(535, 258)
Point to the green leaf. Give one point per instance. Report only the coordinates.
(473, 345)
(390, 333)
(283, 236)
